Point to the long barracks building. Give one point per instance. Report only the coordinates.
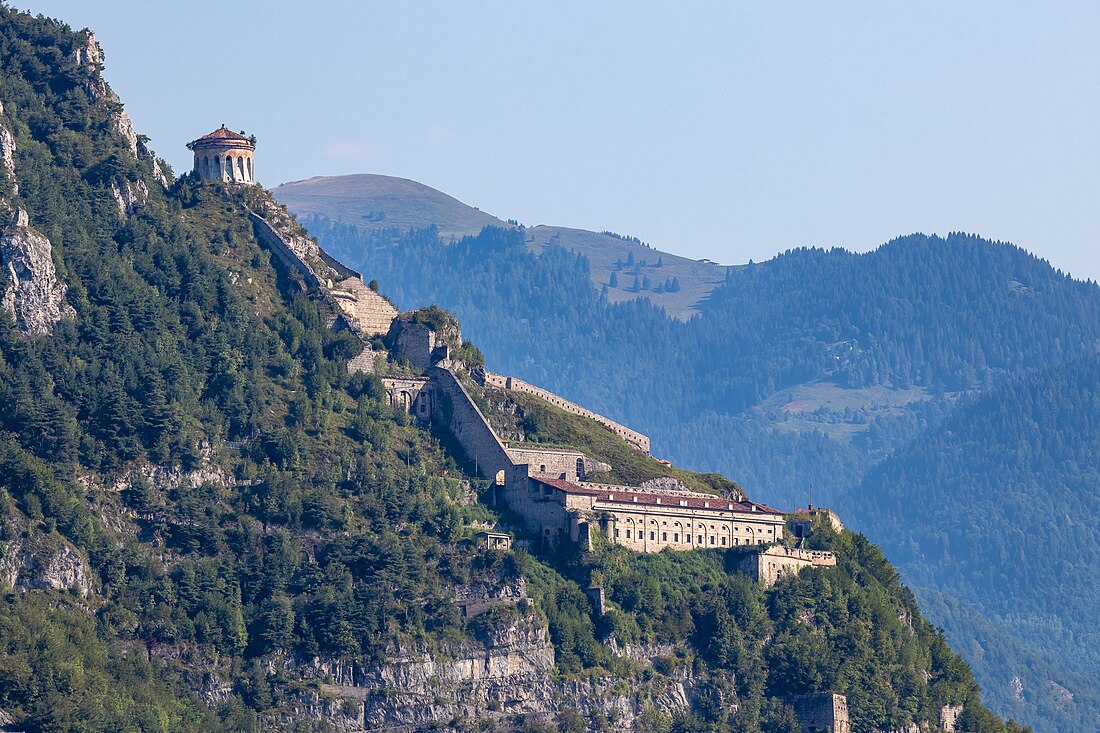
(646, 520)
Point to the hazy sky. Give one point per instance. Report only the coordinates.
(726, 130)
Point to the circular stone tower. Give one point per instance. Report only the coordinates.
(224, 155)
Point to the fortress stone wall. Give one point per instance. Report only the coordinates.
(777, 562)
(644, 520)
(633, 437)
(409, 393)
(454, 409)
(546, 488)
(824, 712)
(371, 313)
(271, 239)
(571, 465)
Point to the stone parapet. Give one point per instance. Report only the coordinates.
(771, 564)
(633, 437)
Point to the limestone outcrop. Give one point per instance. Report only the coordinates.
(7, 152)
(129, 195)
(34, 296)
(89, 57)
(43, 562)
(508, 673)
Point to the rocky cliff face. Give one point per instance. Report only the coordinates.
(90, 58)
(39, 562)
(7, 152)
(129, 195)
(35, 296)
(509, 675)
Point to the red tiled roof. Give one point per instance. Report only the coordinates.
(628, 495)
(222, 133)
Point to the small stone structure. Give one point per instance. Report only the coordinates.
(824, 712)
(802, 525)
(949, 717)
(224, 155)
(569, 465)
(409, 393)
(420, 345)
(494, 540)
(771, 564)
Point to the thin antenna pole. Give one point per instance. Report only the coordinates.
(811, 506)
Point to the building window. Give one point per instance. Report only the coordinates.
(675, 536)
(664, 536)
(616, 534)
(723, 542)
(542, 468)
(700, 539)
(652, 535)
(712, 539)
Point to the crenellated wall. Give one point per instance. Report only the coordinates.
(772, 564)
(633, 437)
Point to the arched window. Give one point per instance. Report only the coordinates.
(250, 173)
(240, 168)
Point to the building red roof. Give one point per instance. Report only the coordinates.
(223, 133)
(634, 497)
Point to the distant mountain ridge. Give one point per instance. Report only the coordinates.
(374, 203)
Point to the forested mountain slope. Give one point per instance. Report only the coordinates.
(208, 524)
(810, 368)
(1008, 491)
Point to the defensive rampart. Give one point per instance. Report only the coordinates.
(454, 409)
(364, 310)
(570, 465)
(271, 239)
(775, 562)
(633, 437)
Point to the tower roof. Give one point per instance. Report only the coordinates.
(222, 135)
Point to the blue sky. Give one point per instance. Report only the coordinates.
(725, 130)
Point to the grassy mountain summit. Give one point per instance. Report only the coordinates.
(208, 523)
(393, 206)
